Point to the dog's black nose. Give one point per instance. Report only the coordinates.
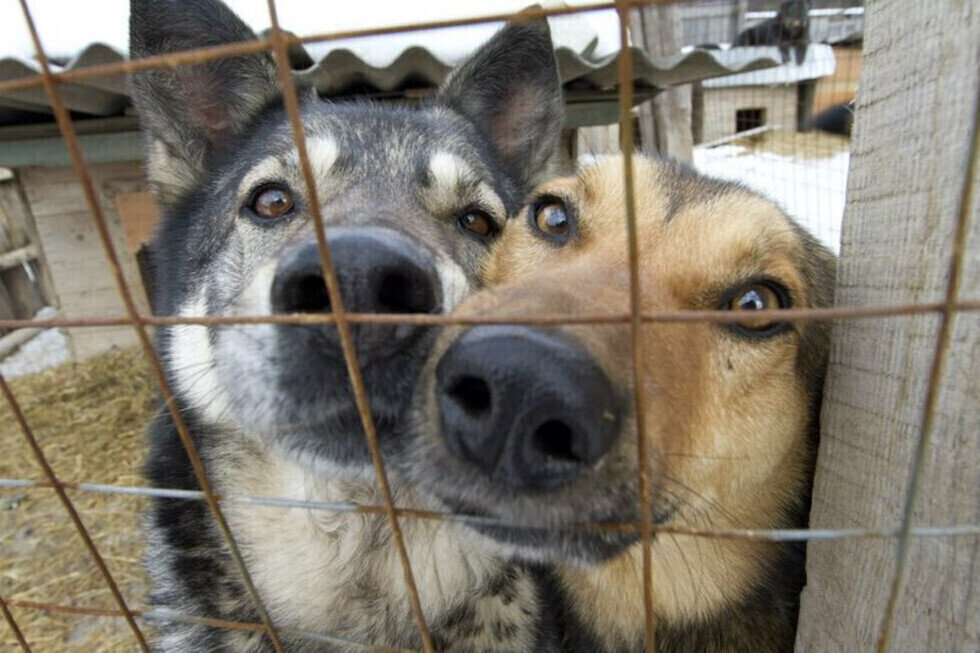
(529, 408)
(379, 271)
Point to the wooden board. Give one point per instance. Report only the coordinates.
(74, 253)
(139, 214)
(914, 110)
(843, 84)
(20, 296)
(15, 215)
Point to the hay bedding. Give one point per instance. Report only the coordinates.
(90, 420)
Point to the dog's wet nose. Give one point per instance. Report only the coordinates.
(529, 408)
(379, 271)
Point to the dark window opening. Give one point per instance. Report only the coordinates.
(746, 119)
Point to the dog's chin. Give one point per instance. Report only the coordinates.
(578, 544)
(334, 443)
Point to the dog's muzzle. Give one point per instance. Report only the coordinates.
(378, 270)
(528, 408)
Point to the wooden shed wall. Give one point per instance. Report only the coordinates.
(843, 84)
(721, 105)
(80, 275)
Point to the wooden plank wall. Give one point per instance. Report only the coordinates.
(75, 259)
(843, 84)
(721, 104)
(914, 111)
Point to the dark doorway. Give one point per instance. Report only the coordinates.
(746, 119)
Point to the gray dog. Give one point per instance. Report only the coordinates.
(413, 200)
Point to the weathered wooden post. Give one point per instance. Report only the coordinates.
(665, 121)
(737, 20)
(917, 107)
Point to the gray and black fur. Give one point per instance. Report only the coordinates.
(789, 29)
(270, 407)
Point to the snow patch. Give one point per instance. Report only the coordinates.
(810, 190)
(47, 349)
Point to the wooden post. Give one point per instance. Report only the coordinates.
(665, 121)
(737, 23)
(15, 214)
(915, 110)
(19, 296)
(806, 95)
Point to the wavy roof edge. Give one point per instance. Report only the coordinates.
(343, 69)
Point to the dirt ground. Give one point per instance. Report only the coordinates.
(90, 420)
(807, 145)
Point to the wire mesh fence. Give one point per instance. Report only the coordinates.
(738, 122)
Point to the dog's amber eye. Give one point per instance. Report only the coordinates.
(553, 219)
(757, 297)
(477, 223)
(272, 202)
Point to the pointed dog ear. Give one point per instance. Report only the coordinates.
(188, 111)
(511, 91)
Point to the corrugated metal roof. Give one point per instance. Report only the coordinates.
(819, 62)
(343, 70)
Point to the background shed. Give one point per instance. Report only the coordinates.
(404, 69)
(781, 98)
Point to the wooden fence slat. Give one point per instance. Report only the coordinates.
(915, 109)
(17, 257)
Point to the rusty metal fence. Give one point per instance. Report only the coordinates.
(277, 42)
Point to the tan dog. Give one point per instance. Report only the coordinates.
(535, 427)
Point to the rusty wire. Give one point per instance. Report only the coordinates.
(636, 322)
(348, 347)
(76, 520)
(939, 358)
(9, 618)
(277, 42)
(85, 181)
(170, 615)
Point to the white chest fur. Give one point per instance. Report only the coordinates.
(339, 573)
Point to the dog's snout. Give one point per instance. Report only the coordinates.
(378, 270)
(531, 409)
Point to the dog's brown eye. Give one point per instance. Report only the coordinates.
(477, 223)
(757, 297)
(552, 219)
(272, 202)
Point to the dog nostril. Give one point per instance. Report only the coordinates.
(402, 293)
(472, 395)
(308, 294)
(555, 439)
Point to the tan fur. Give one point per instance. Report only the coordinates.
(726, 418)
